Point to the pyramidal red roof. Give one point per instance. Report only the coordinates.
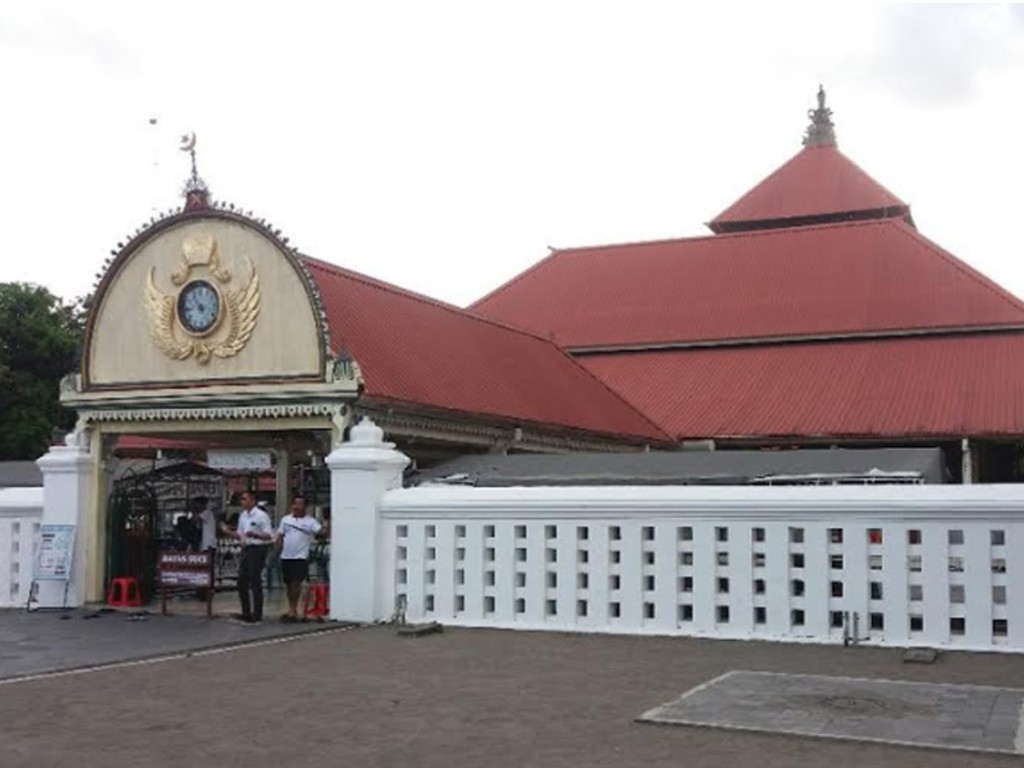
(843, 279)
(418, 351)
(817, 185)
(939, 386)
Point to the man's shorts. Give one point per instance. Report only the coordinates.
(294, 571)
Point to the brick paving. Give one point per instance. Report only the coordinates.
(367, 697)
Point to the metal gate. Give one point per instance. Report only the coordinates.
(133, 531)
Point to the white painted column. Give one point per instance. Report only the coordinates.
(966, 462)
(66, 472)
(361, 471)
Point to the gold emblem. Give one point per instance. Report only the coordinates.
(202, 321)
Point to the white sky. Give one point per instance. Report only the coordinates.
(443, 146)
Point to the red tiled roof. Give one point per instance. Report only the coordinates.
(867, 277)
(817, 181)
(943, 386)
(419, 351)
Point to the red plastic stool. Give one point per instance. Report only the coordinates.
(124, 592)
(317, 603)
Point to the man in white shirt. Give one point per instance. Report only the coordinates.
(205, 520)
(294, 536)
(256, 532)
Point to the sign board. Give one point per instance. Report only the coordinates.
(191, 570)
(257, 461)
(185, 569)
(56, 551)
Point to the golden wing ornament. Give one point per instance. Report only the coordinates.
(160, 312)
(243, 308)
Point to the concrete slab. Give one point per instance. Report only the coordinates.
(945, 716)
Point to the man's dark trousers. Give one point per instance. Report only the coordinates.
(250, 577)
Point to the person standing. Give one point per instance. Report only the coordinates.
(204, 519)
(256, 533)
(294, 535)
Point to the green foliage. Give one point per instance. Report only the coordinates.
(40, 337)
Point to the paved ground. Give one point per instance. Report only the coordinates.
(940, 715)
(42, 641)
(366, 697)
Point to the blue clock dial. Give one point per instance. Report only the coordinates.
(198, 307)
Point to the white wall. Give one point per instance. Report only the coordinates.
(21, 512)
(938, 566)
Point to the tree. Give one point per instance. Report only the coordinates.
(40, 338)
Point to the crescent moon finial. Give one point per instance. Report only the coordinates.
(187, 142)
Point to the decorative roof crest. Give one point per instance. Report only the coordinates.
(195, 191)
(821, 132)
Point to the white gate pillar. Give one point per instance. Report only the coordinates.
(67, 470)
(361, 471)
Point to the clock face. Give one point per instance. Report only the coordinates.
(199, 307)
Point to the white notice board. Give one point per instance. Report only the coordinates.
(56, 552)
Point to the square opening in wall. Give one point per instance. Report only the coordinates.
(998, 538)
(551, 580)
(460, 553)
(520, 531)
(403, 576)
(615, 556)
(551, 555)
(723, 558)
(488, 578)
(614, 533)
(647, 533)
(521, 554)
(402, 531)
(796, 560)
(428, 603)
(648, 583)
(875, 562)
(582, 533)
(874, 535)
(686, 584)
(431, 553)
(796, 588)
(649, 558)
(956, 593)
(956, 537)
(875, 590)
(489, 554)
(460, 531)
(520, 578)
(758, 559)
(913, 536)
(876, 621)
(999, 595)
(759, 586)
(914, 563)
(796, 535)
(686, 558)
(957, 625)
(488, 531)
(760, 615)
(723, 614)
(648, 610)
(581, 608)
(685, 533)
(837, 588)
(835, 619)
(956, 565)
(835, 535)
(796, 617)
(835, 562)
(614, 610)
(488, 604)
(550, 532)
(998, 565)
(460, 603)
(520, 605)
(723, 586)
(721, 534)
(614, 582)
(916, 592)
(460, 576)
(916, 622)
(431, 531)
(757, 535)
(999, 627)
(582, 580)
(686, 612)
(582, 556)
(550, 608)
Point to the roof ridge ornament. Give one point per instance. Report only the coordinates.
(821, 132)
(195, 191)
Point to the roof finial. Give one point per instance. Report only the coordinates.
(821, 132)
(195, 192)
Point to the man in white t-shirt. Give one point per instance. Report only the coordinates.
(294, 536)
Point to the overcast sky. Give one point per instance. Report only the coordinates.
(444, 146)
